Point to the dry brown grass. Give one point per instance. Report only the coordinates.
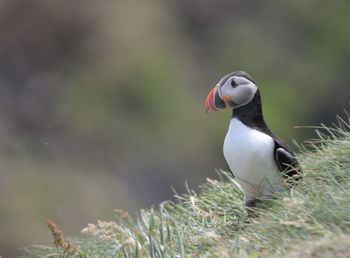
(58, 239)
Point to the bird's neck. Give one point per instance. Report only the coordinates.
(251, 114)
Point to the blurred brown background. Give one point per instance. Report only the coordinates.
(102, 102)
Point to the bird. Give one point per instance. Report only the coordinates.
(260, 162)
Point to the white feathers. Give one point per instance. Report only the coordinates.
(249, 154)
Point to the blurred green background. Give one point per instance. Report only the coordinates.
(102, 102)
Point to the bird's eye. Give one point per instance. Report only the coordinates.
(233, 83)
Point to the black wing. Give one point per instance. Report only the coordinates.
(285, 159)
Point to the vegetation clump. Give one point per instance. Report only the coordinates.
(310, 220)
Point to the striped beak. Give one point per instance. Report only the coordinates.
(214, 101)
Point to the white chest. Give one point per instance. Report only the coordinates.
(249, 154)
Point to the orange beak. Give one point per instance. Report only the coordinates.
(210, 102)
(214, 102)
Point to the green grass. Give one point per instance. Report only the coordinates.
(311, 220)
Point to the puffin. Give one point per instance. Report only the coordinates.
(260, 162)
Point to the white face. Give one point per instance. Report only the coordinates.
(237, 91)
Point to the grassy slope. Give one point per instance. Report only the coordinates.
(312, 220)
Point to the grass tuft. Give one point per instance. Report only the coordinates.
(310, 220)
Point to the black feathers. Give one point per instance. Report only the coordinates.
(237, 73)
(286, 162)
(252, 116)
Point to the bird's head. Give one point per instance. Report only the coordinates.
(234, 90)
